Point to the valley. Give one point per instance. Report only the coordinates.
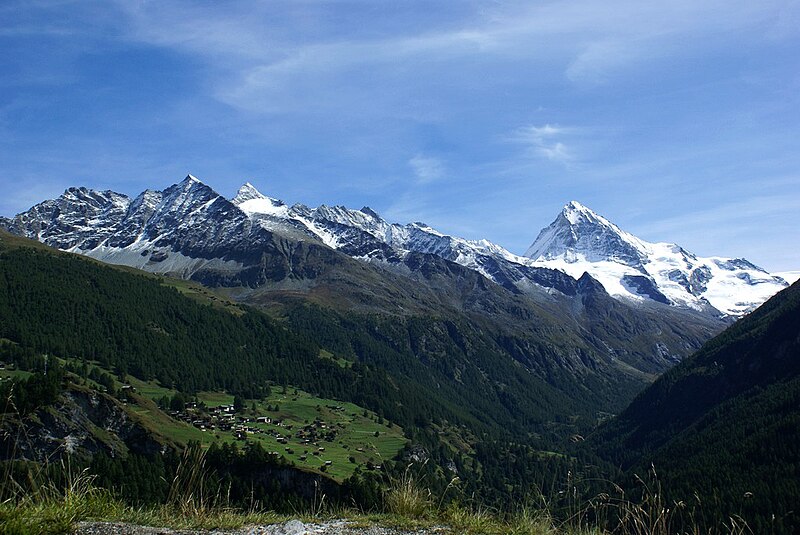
(294, 349)
(488, 267)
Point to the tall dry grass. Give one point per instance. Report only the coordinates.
(652, 514)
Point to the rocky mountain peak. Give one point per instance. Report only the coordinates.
(92, 197)
(187, 195)
(254, 203)
(370, 212)
(579, 240)
(574, 212)
(578, 231)
(247, 192)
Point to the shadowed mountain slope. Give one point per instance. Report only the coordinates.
(725, 423)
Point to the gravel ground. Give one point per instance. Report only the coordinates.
(293, 527)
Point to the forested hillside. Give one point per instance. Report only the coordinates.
(73, 307)
(449, 386)
(725, 423)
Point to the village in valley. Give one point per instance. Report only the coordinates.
(314, 433)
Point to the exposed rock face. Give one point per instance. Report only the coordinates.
(82, 423)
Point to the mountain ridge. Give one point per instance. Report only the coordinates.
(569, 245)
(191, 232)
(578, 241)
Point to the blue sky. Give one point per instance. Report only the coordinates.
(679, 120)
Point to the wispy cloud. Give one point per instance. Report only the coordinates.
(427, 169)
(545, 142)
(260, 60)
(598, 59)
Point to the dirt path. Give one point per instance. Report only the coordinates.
(293, 527)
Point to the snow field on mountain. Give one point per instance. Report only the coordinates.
(114, 228)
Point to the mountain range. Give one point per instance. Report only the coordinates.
(478, 354)
(435, 293)
(191, 231)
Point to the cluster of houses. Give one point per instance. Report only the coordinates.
(317, 431)
(224, 418)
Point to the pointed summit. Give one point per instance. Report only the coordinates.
(574, 212)
(247, 192)
(579, 231)
(189, 190)
(579, 240)
(251, 201)
(370, 212)
(191, 185)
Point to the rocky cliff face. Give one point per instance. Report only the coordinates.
(82, 423)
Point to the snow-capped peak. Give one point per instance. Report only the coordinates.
(579, 240)
(247, 192)
(579, 229)
(574, 212)
(370, 212)
(253, 202)
(189, 188)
